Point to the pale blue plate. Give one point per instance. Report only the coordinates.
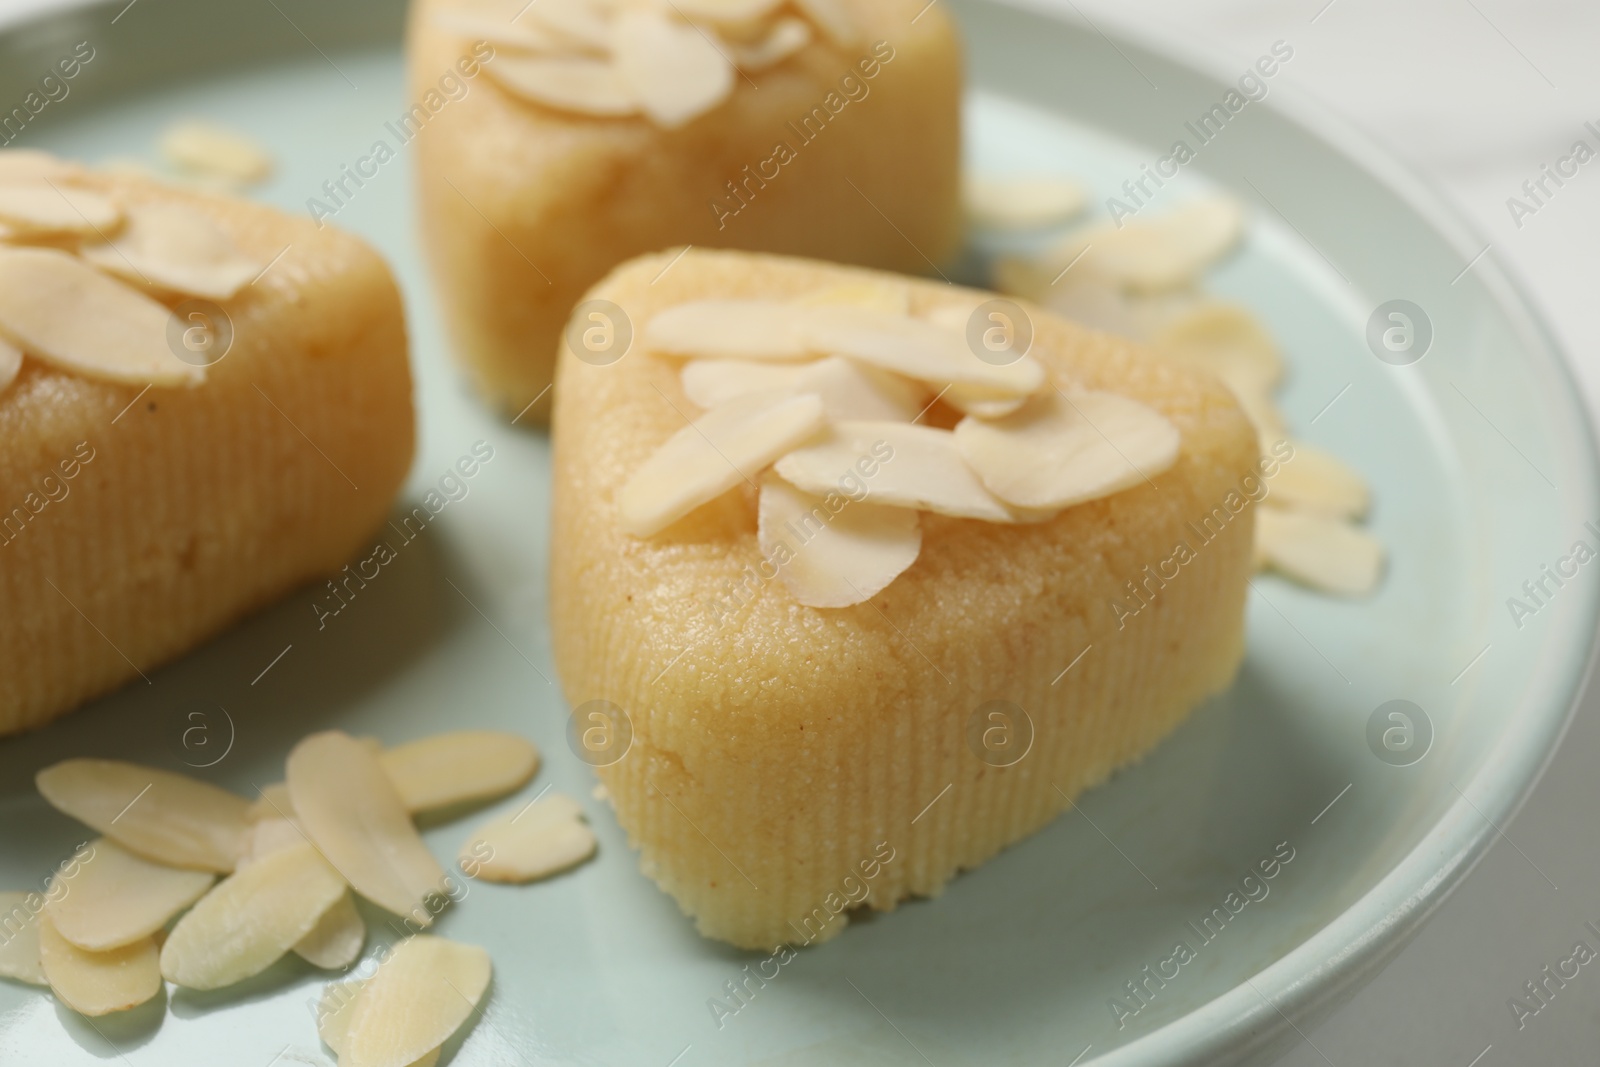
(1482, 469)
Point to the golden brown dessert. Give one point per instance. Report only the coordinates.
(146, 502)
(808, 128)
(789, 762)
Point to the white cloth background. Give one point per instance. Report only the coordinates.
(1476, 94)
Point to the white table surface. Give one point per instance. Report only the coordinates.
(1475, 94)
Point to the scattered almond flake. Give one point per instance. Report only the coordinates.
(215, 151)
(43, 208)
(352, 812)
(98, 983)
(175, 247)
(673, 68)
(336, 940)
(271, 835)
(117, 898)
(335, 1009)
(26, 164)
(576, 21)
(447, 769)
(1058, 451)
(500, 30)
(1021, 203)
(418, 998)
(1224, 336)
(916, 349)
(916, 467)
(600, 792)
(1157, 253)
(834, 558)
(889, 297)
(10, 363)
(786, 37)
(725, 446)
(19, 945)
(59, 309)
(273, 803)
(166, 817)
(832, 18)
(542, 839)
(251, 919)
(848, 389)
(1319, 481)
(731, 329)
(569, 83)
(985, 405)
(1325, 553)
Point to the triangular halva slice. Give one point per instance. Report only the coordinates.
(780, 752)
(213, 406)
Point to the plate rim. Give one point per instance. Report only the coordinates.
(1331, 963)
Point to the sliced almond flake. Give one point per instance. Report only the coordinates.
(912, 467)
(539, 840)
(953, 317)
(26, 165)
(251, 919)
(19, 938)
(889, 297)
(1021, 203)
(674, 69)
(1318, 481)
(335, 1008)
(575, 20)
(165, 817)
(848, 389)
(786, 37)
(833, 19)
(1155, 253)
(1225, 337)
(336, 940)
(213, 150)
(448, 769)
(499, 30)
(710, 383)
(985, 405)
(731, 329)
(98, 983)
(727, 445)
(10, 363)
(273, 803)
(834, 556)
(1056, 451)
(568, 83)
(916, 349)
(175, 247)
(59, 309)
(44, 208)
(418, 998)
(352, 812)
(117, 898)
(272, 835)
(1325, 553)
